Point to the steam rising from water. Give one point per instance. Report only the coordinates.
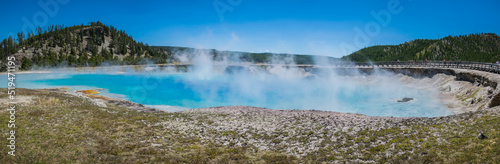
(210, 83)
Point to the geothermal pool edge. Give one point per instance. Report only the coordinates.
(484, 82)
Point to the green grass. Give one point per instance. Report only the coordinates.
(57, 128)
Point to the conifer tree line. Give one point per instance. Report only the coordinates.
(93, 44)
(481, 47)
(96, 44)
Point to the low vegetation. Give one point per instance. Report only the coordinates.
(55, 127)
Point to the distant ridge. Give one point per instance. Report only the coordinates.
(483, 47)
(239, 56)
(98, 44)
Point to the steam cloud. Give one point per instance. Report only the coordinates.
(283, 85)
(226, 81)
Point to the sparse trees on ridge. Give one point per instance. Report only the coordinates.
(96, 43)
(475, 47)
(82, 45)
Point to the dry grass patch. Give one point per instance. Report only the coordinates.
(60, 128)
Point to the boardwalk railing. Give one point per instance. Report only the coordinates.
(481, 66)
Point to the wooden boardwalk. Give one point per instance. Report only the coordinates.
(481, 66)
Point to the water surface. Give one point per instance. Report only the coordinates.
(373, 97)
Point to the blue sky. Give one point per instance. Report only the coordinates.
(330, 28)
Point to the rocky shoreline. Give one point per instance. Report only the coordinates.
(104, 101)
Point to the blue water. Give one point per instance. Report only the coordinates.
(188, 91)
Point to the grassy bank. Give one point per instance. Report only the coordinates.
(54, 127)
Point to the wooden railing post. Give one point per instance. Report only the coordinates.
(481, 66)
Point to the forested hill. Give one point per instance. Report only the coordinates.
(474, 47)
(237, 56)
(82, 45)
(96, 44)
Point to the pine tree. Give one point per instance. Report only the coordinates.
(5, 50)
(83, 59)
(71, 60)
(10, 46)
(26, 63)
(62, 57)
(20, 38)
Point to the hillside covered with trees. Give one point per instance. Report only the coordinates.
(475, 47)
(83, 45)
(236, 56)
(97, 44)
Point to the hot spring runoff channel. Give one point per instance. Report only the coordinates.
(372, 95)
